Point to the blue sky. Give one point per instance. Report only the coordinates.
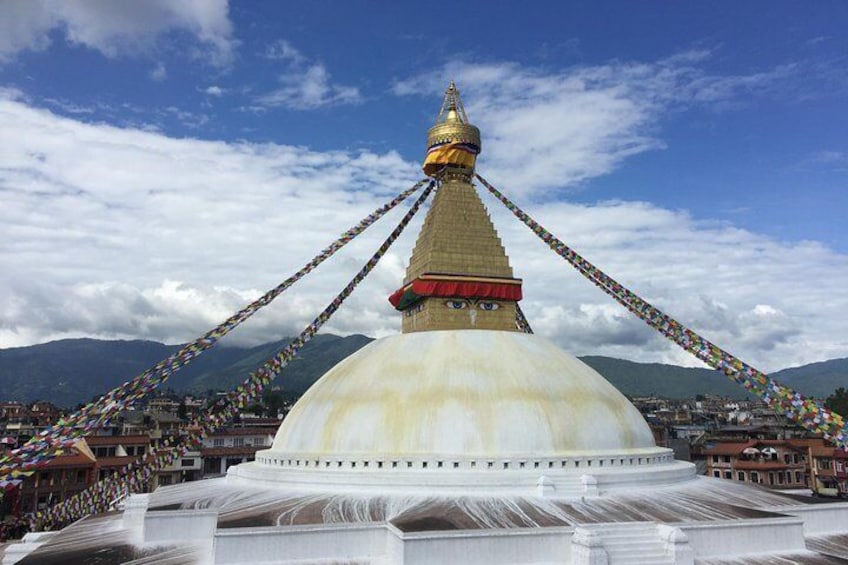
(670, 131)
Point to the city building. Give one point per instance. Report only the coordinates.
(776, 464)
(232, 446)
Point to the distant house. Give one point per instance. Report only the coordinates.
(779, 464)
(43, 414)
(840, 461)
(58, 479)
(13, 411)
(231, 446)
(114, 452)
(823, 470)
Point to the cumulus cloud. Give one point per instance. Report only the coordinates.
(117, 232)
(159, 72)
(304, 84)
(546, 131)
(115, 28)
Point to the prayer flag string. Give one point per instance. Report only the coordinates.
(809, 413)
(133, 478)
(40, 449)
(521, 320)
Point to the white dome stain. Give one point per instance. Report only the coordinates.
(461, 393)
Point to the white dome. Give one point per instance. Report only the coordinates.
(464, 393)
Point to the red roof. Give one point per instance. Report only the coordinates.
(227, 451)
(117, 440)
(822, 451)
(736, 448)
(729, 448)
(69, 460)
(245, 432)
(115, 461)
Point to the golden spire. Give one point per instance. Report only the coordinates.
(452, 142)
(459, 276)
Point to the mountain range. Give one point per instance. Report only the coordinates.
(70, 371)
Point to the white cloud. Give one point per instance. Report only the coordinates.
(544, 131)
(215, 91)
(304, 84)
(115, 232)
(115, 28)
(159, 72)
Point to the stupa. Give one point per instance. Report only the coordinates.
(461, 440)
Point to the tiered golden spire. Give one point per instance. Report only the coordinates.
(452, 141)
(459, 276)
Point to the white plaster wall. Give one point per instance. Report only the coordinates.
(732, 537)
(179, 525)
(567, 483)
(294, 543)
(489, 547)
(818, 518)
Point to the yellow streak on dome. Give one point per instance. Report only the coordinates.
(461, 393)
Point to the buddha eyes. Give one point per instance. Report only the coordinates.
(462, 304)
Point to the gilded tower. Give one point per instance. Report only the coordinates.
(459, 275)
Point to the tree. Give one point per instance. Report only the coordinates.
(838, 401)
(274, 401)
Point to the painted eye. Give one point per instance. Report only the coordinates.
(488, 306)
(456, 304)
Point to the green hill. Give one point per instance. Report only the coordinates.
(71, 371)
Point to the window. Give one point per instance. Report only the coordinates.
(824, 464)
(165, 480)
(717, 474)
(238, 442)
(187, 463)
(755, 477)
(218, 442)
(728, 475)
(740, 475)
(715, 459)
(797, 476)
(726, 458)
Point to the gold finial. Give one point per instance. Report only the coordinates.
(452, 109)
(452, 142)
